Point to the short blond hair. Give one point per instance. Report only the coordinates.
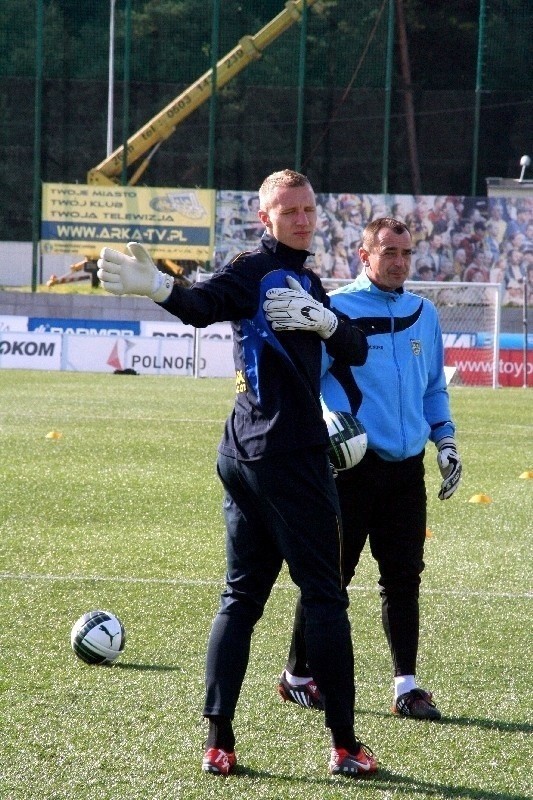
(286, 178)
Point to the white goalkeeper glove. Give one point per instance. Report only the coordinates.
(294, 309)
(450, 466)
(133, 274)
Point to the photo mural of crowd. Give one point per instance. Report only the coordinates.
(469, 239)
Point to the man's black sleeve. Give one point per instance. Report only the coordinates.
(348, 343)
(229, 294)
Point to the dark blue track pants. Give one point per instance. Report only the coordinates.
(283, 507)
(383, 502)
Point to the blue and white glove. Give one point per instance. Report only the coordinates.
(133, 274)
(450, 466)
(294, 309)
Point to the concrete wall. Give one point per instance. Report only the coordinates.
(78, 306)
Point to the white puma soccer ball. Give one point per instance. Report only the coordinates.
(347, 439)
(98, 637)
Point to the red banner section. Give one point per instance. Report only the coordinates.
(474, 366)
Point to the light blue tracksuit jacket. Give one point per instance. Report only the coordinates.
(400, 393)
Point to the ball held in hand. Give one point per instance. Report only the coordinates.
(348, 439)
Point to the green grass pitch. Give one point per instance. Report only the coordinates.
(123, 512)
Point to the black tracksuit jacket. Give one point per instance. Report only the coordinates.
(277, 406)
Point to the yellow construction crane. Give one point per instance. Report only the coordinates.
(146, 141)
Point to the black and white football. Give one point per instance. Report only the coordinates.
(98, 637)
(347, 439)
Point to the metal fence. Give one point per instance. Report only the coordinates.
(334, 95)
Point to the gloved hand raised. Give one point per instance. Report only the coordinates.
(294, 309)
(133, 274)
(450, 466)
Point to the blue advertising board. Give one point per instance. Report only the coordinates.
(87, 327)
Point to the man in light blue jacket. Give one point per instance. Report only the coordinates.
(401, 398)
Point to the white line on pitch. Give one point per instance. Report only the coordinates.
(28, 576)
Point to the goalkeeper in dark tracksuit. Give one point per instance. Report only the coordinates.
(400, 396)
(280, 500)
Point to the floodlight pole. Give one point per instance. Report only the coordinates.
(477, 107)
(37, 155)
(126, 92)
(111, 78)
(388, 96)
(301, 90)
(408, 98)
(215, 36)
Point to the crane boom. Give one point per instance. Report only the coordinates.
(164, 123)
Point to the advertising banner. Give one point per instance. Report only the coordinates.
(170, 348)
(10, 322)
(171, 223)
(218, 331)
(474, 366)
(146, 356)
(106, 354)
(84, 327)
(30, 351)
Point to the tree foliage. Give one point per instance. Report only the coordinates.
(171, 47)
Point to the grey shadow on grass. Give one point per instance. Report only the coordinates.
(404, 784)
(462, 722)
(385, 781)
(147, 667)
(488, 724)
